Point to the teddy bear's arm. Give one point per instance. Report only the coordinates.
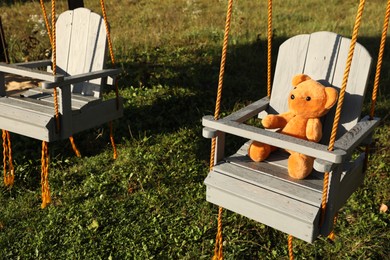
(277, 121)
(314, 130)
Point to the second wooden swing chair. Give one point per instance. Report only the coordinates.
(263, 191)
(70, 100)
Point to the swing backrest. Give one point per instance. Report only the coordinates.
(322, 56)
(81, 47)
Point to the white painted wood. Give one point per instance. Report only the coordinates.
(249, 111)
(352, 178)
(275, 139)
(263, 178)
(81, 45)
(289, 63)
(81, 78)
(259, 190)
(97, 115)
(65, 110)
(35, 64)
(31, 73)
(219, 147)
(279, 212)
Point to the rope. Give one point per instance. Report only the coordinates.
(111, 51)
(74, 147)
(340, 104)
(290, 247)
(7, 153)
(269, 47)
(115, 152)
(46, 21)
(45, 189)
(218, 252)
(380, 59)
(54, 57)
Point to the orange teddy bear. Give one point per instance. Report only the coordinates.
(308, 101)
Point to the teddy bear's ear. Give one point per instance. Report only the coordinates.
(331, 97)
(299, 78)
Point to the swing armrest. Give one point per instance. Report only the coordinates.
(359, 133)
(81, 78)
(35, 64)
(349, 141)
(31, 73)
(275, 139)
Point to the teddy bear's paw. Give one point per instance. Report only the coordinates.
(258, 151)
(299, 166)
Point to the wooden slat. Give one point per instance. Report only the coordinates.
(95, 55)
(291, 61)
(275, 139)
(94, 116)
(269, 177)
(272, 209)
(31, 73)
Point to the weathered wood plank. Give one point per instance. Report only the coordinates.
(350, 140)
(35, 64)
(300, 190)
(97, 115)
(95, 55)
(31, 73)
(275, 139)
(81, 78)
(290, 62)
(277, 211)
(249, 111)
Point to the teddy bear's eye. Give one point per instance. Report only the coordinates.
(292, 97)
(308, 98)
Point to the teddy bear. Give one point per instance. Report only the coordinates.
(307, 102)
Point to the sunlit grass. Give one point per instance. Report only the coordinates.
(150, 202)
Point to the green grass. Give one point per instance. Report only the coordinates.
(150, 202)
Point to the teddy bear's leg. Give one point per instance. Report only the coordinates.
(258, 151)
(300, 165)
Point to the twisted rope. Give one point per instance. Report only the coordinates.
(380, 60)
(111, 51)
(7, 153)
(290, 247)
(340, 104)
(269, 47)
(52, 43)
(218, 252)
(45, 189)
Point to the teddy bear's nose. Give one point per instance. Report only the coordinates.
(292, 96)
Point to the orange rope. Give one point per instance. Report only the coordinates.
(74, 147)
(45, 189)
(340, 103)
(54, 57)
(269, 47)
(380, 58)
(115, 155)
(290, 247)
(7, 153)
(218, 252)
(332, 235)
(46, 21)
(111, 51)
(52, 43)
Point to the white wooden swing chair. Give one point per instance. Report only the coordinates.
(70, 99)
(263, 191)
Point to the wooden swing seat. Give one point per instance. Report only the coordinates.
(81, 43)
(264, 191)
